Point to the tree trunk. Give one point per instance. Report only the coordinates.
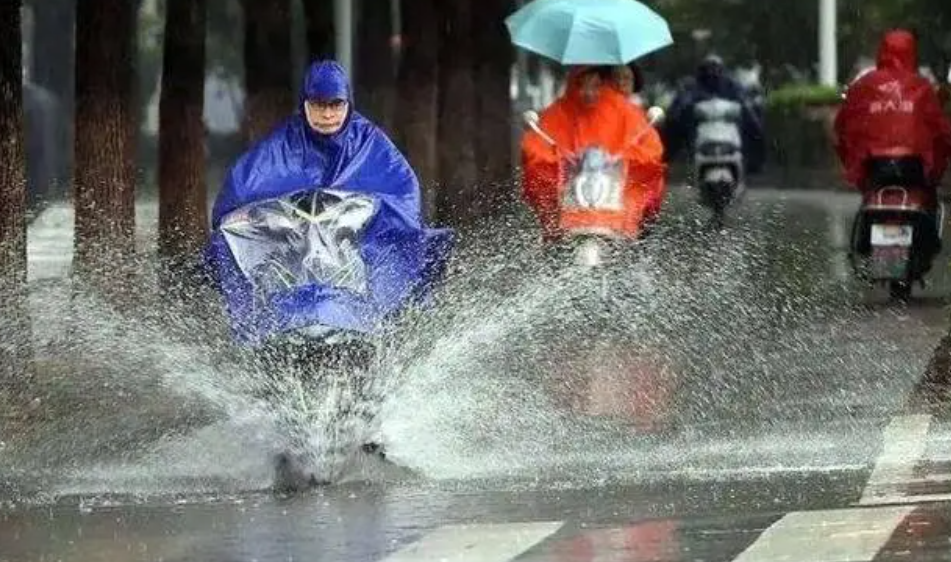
(459, 200)
(15, 326)
(267, 62)
(418, 75)
(319, 26)
(182, 191)
(494, 135)
(375, 74)
(105, 142)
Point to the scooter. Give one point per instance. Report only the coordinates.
(309, 280)
(287, 249)
(593, 181)
(899, 227)
(718, 155)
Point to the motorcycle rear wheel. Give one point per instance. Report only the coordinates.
(899, 291)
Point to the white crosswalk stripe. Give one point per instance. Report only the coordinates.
(844, 535)
(915, 464)
(904, 443)
(913, 470)
(856, 534)
(476, 543)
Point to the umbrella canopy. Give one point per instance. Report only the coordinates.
(589, 32)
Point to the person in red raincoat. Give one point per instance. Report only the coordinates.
(592, 112)
(892, 111)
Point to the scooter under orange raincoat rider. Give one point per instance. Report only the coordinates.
(603, 117)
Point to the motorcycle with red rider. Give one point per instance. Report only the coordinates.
(894, 142)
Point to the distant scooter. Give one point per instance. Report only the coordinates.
(718, 155)
(899, 227)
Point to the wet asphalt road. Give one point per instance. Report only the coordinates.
(757, 415)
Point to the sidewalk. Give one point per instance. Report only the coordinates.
(50, 238)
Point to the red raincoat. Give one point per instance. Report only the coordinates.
(892, 111)
(611, 123)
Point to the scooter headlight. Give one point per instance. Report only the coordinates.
(596, 190)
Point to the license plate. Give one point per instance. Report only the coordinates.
(892, 235)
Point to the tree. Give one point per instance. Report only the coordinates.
(182, 191)
(105, 142)
(14, 328)
(459, 197)
(268, 73)
(494, 58)
(417, 83)
(375, 77)
(319, 28)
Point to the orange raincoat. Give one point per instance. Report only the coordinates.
(611, 123)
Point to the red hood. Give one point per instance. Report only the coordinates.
(898, 51)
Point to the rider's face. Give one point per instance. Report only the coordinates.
(625, 80)
(590, 88)
(326, 117)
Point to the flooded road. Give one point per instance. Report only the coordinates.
(737, 398)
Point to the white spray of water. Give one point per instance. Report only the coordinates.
(469, 385)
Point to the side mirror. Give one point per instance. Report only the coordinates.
(532, 119)
(654, 115)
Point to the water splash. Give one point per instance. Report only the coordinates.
(496, 380)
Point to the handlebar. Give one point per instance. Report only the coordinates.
(654, 115)
(532, 119)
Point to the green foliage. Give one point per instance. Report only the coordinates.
(781, 34)
(796, 96)
(798, 121)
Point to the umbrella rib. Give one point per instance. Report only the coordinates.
(571, 36)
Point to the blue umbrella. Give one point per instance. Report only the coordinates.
(582, 32)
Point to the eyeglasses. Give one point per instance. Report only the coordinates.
(335, 105)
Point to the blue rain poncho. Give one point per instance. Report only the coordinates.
(398, 257)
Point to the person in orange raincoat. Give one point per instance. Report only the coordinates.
(593, 112)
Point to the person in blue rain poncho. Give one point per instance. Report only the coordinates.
(327, 144)
(713, 81)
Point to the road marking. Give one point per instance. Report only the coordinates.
(642, 541)
(904, 442)
(914, 499)
(840, 535)
(476, 543)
